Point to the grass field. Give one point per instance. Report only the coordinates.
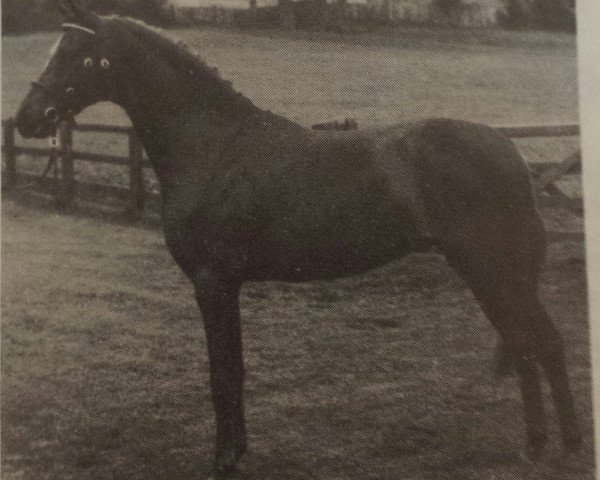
(383, 376)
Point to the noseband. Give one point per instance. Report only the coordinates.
(74, 26)
(52, 113)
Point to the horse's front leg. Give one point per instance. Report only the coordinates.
(219, 303)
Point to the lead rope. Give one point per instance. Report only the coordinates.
(52, 162)
(52, 157)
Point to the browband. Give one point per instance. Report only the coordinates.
(74, 26)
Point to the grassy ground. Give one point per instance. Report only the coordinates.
(382, 376)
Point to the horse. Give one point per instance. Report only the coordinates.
(248, 195)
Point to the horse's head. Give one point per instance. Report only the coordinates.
(76, 76)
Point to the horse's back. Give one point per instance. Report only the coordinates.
(452, 158)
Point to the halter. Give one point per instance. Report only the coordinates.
(81, 28)
(53, 93)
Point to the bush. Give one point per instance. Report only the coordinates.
(554, 14)
(22, 16)
(540, 14)
(516, 15)
(155, 12)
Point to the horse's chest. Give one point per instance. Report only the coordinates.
(214, 231)
(195, 245)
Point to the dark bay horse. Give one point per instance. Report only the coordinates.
(248, 195)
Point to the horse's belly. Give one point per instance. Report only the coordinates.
(286, 268)
(322, 237)
(318, 257)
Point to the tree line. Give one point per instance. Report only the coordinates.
(22, 16)
(541, 14)
(527, 14)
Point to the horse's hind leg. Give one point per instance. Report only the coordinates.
(545, 344)
(506, 288)
(549, 351)
(501, 308)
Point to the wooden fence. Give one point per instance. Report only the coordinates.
(545, 186)
(65, 195)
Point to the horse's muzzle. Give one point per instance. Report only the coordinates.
(37, 116)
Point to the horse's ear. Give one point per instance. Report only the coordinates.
(74, 12)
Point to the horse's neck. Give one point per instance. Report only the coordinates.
(186, 136)
(177, 125)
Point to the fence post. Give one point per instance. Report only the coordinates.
(136, 176)
(10, 157)
(66, 193)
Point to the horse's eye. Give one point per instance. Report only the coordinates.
(104, 63)
(88, 62)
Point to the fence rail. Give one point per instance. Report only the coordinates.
(65, 195)
(528, 131)
(136, 161)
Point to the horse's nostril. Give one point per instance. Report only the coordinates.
(51, 113)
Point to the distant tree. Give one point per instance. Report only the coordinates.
(14, 12)
(151, 11)
(338, 12)
(20, 16)
(517, 14)
(287, 16)
(157, 12)
(554, 14)
(310, 14)
(540, 14)
(104, 6)
(447, 6)
(382, 14)
(252, 15)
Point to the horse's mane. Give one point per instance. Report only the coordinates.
(180, 56)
